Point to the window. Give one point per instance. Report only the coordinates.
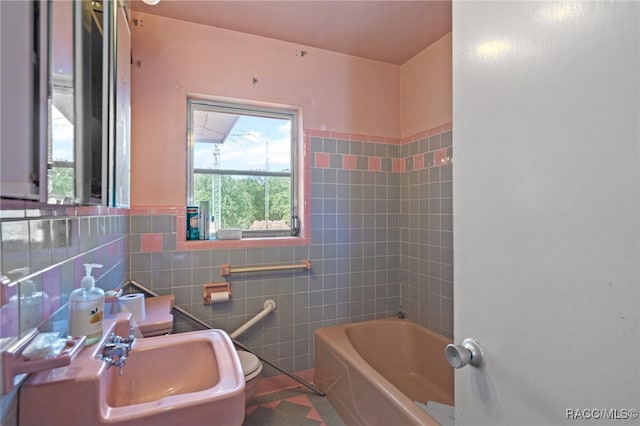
(242, 160)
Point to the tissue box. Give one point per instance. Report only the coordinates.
(229, 234)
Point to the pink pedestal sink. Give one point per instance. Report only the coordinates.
(190, 378)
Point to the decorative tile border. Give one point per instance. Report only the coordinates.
(349, 161)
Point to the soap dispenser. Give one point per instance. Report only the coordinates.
(86, 308)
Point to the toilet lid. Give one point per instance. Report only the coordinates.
(249, 361)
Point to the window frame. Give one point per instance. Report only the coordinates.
(243, 107)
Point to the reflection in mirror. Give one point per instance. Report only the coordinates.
(90, 49)
(21, 78)
(25, 309)
(77, 134)
(60, 153)
(120, 178)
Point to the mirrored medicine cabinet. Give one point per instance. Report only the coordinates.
(65, 102)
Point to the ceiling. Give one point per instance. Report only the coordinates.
(391, 31)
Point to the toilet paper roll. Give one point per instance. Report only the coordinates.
(133, 303)
(220, 297)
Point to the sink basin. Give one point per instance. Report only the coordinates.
(155, 371)
(176, 379)
(189, 378)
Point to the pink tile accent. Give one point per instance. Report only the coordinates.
(300, 400)
(271, 405)
(157, 210)
(375, 164)
(440, 157)
(349, 161)
(313, 414)
(87, 210)
(118, 211)
(360, 138)
(340, 135)
(379, 139)
(398, 165)
(418, 161)
(318, 133)
(322, 160)
(150, 242)
(250, 409)
(415, 137)
(394, 141)
(244, 243)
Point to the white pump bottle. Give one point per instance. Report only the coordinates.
(86, 308)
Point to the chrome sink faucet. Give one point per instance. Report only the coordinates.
(116, 349)
(114, 338)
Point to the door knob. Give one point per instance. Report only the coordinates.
(469, 352)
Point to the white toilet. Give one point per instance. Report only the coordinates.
(252, 368)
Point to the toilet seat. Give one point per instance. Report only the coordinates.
(251, 365)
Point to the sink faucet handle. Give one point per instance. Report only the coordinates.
(121, 363)
(114, 338)
(131, 338)
(107, 360)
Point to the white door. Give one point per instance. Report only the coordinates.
(546, 114)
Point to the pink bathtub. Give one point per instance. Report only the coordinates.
(373, 372)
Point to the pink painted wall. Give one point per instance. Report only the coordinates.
(173, 58)
(426, 89)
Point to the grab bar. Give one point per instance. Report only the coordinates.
(269, 306)
(226, 269)
(235, 342)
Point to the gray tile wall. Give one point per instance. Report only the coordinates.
(53, 245)
(381, 241)
(426, 233)
(354, 254)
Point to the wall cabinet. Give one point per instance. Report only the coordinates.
(65, 102)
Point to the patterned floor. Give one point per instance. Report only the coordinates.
(295, 407)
